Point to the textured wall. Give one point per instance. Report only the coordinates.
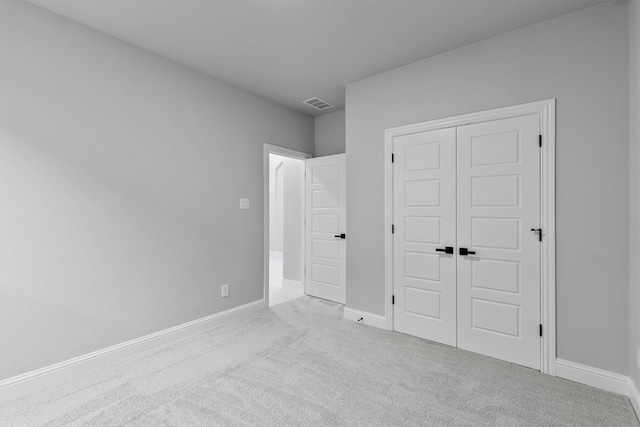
(120, 179)
(581, 60)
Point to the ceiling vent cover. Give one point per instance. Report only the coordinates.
(318, 103)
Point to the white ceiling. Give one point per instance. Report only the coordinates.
(292, 50)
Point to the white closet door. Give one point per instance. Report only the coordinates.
(498, 205)
(424, 218)
(325, 223)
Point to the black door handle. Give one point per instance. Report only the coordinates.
(342, 236)
(539, 231)
(446, 249)
(465, 251)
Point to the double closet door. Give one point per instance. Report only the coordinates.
(467, 240)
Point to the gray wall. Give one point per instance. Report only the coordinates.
(580, 59)
(634, 188)
(120, 175)
(330, 133)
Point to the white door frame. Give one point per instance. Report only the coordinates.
(287, 152)
(546, 109)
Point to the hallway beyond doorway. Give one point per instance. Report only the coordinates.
(278, 293)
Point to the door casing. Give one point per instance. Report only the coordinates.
(546, 111)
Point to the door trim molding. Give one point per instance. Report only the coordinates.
(546, 110)
(281, 151)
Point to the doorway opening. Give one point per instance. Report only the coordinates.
(284, 224)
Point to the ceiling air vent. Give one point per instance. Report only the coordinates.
(318, 103)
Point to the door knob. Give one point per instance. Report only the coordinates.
(446, 249)
(465, 251)
(342, 236)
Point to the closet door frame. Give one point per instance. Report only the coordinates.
(546, 110)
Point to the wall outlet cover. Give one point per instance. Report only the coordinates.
(225, 291)
(244, 203)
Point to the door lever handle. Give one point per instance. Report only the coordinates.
(446, 249)
(342, 236)
(539, 231)
(465, 251)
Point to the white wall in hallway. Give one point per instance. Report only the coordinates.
(286, 213)
(276, 205)
(120, 179)
(293, 241)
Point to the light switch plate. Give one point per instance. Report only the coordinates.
(244, 203)
(225, 290)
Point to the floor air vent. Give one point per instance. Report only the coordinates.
(318, 103)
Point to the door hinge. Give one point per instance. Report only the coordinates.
(393, 299)
(540, 329)
(539, 140)
(393, 228)
(392, 158)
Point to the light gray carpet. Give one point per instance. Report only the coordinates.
(299, 363)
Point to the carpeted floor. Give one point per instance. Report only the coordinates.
(299, 363)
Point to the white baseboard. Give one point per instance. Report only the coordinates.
(33, 380)
(599, 378)
(292, 284)
(593, 377)
(365, 318)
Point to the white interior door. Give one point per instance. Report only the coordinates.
(498, 206)
(325, 228)
(425, 225)
(473, 189)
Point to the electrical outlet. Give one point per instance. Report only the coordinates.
(225, 291)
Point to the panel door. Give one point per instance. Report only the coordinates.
(325, 221)
(424, 219)
(498, 204)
